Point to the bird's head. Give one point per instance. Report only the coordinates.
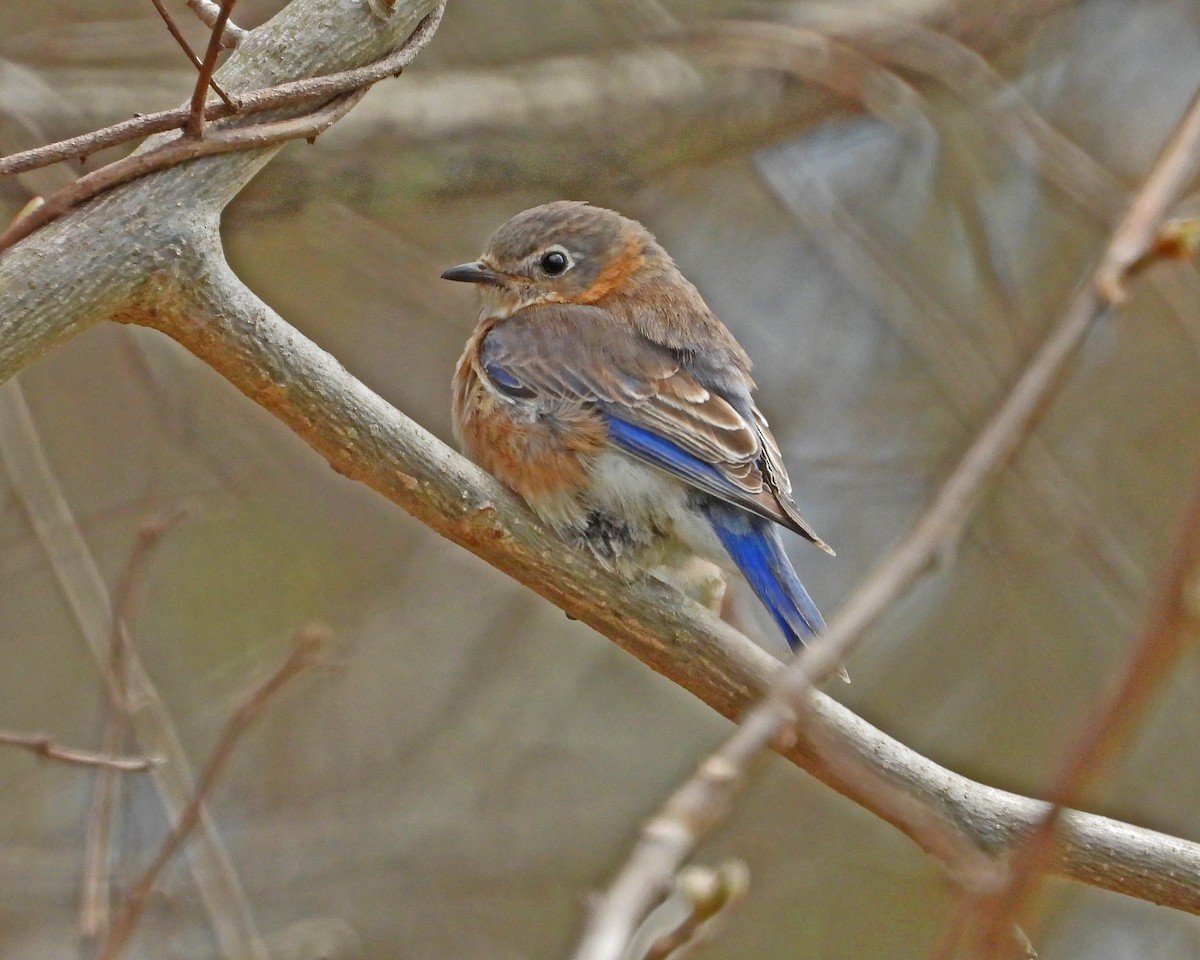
(560, 252)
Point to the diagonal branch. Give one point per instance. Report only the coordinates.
(220, 320)
(1170, 177)
(700, 804)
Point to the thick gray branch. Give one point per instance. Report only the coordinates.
(149, 253)
(91, 266)
(215, 316)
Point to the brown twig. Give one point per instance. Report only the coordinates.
(95, 897)
(208, 12)
(37, 488)
(44, 747)
(306, 647)
(187, 49)
(223, 140)
(194, 127)
(293, 93)
(699, 805)
(1170, 629)
(691, 812)
(173, 153)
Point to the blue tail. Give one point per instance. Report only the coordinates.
(755, 546)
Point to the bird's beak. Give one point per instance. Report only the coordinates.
(475, 272)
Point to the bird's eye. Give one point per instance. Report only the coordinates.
(555, 262)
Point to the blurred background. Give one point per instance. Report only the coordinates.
(888, 201)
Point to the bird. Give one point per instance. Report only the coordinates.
(601, 389)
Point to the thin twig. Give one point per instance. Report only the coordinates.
(708, 893)
(222, 141)
(187, 49)
(96, 895)
(1151, 205)
(306, 647)
(292, 93)
(208, 12)
(44, 747)
(37, 488)
(1171, 628)
(700, 804)
(690, 813)
(194, 127)
(173, 153)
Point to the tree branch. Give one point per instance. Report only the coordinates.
(99, 273)
(306, 646)
(215, 316)
(295, 93)
(1144, 219)
(172, 154)
(46, 748)
(224, 140)
(194, 127)
(186, 47)
(149, 252)
(702, 802)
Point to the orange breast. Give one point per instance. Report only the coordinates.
(540, 458)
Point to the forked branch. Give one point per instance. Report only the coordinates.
(169, 272)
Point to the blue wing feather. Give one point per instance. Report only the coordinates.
(506, 381)
(752, 542)
(662, 453)
(755, 546)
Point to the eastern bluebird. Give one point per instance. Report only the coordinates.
(601, 388)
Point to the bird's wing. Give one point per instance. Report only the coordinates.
(655, 408)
